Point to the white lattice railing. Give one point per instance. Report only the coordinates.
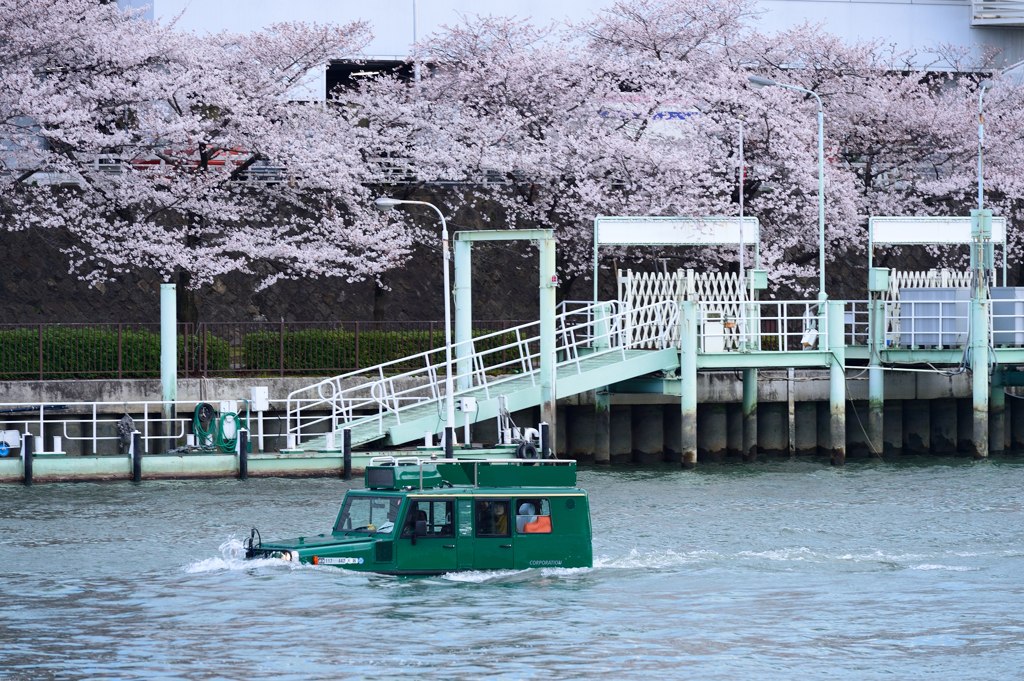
(722, 290)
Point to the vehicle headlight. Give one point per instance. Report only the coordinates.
(292, 556)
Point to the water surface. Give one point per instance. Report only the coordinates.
(771, 570)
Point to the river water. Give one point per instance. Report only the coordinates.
(767, 571)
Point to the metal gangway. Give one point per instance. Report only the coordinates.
(397, 402)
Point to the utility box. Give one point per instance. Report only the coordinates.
(467, 405)
(934, 317)
(259, 398)
(759, 279)
(1008, 316)
(878, 279)
(713, 332)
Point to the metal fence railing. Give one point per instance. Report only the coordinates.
(83, 351)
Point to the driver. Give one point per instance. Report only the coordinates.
(389, 524)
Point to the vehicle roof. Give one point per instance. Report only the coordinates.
(460, 491)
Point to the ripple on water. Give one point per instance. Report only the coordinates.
(775, 570)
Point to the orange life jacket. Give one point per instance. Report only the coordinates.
(542, 525)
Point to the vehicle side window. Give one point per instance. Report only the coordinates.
(492, 518)
(533, 516)
(436, 513)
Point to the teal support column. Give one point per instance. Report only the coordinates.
(688, 381)
(876, 377)
(548, 285)
(981, 263)
(168, 355)
(837, 383)
(997, 414)
(602, 400)
(979, 376)
(749, 415)
(463, 312)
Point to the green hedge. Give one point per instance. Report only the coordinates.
(318, 350)
(83, 353)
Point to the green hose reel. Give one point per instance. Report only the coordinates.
(218, 431)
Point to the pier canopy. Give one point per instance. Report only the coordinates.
(931, 231)
(676, 231)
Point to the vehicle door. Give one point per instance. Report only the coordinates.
(493, 546)
(434, 550)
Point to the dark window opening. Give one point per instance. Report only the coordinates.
(492, 518)
(343, 74)
(437, 514)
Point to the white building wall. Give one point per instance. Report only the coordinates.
(908, 24)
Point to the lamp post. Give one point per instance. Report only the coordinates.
(982, 86)
(761, 81)
(385, 203)
(743, 288)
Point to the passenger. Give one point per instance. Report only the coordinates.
(500, 519)
(484, 518)
(527, 514)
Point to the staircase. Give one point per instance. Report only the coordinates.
(399, 401)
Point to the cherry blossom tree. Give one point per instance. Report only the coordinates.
(160, 149)
(637, 111)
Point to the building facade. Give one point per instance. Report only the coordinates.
(918, 26)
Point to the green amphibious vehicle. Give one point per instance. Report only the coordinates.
(424, 517)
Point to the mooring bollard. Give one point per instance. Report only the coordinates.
(449, 442)
(346, 445)
(136, 457)
(27, 452)
(545, 441)
(243, 454)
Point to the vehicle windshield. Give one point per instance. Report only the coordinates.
(369, 514)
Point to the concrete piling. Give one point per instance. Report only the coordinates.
(917, 428)
(997, 414)
(620, 441)
(772, 428)
(673, 434)
(943, 424)
(805, 441)
(581, 427)
(648, 429)
(892, 429)
(711, 432)
(734, 429)
(602, 427)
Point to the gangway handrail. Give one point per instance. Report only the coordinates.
(520, 357)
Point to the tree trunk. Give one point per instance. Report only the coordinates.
(187, 308)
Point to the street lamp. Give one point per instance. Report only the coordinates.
(982, 86)
(761, 81)
(385, 203)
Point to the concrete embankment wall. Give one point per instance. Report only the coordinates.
(925, 412)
